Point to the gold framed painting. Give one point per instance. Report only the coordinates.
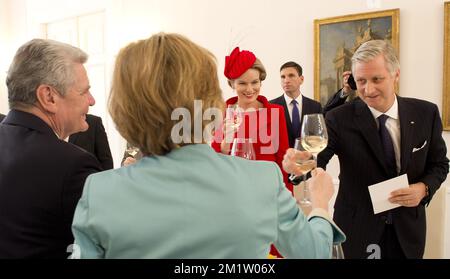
(446, 88)
(337, 38)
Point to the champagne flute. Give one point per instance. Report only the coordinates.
(234, 113)
(314, 133)
(243, 147)
(314, 138)
(132, 155)
(132, 150)
(233, 119)
(305, 166)
(336, 252)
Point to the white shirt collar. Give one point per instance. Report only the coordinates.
(289, 99)
(66, 139)
(56, 134)
(392, 112)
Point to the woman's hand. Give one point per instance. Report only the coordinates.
(321, 188)
(290, 159)
(129, 161)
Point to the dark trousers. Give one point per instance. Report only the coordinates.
(389, 245)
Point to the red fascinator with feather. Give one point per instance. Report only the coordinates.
(238, 62)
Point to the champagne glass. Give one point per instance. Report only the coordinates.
(243, 147)
(234, 113)
(305, 166)
(233, 119)
(132, 150)
(314, 138)
(336, 252)
(314, 135)
(132, 155)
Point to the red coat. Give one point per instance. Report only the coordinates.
(258, 126)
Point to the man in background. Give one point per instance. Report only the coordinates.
(294, 103)
(95, 141)
(42, 176)
(340, 97)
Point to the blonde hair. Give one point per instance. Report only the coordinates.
(152, 78)
(256, 66)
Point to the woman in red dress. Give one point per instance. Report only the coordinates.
(262, 122)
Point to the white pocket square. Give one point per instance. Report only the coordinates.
(417, 149)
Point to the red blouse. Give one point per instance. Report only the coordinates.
(266, 128)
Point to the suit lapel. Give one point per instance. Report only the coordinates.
(73, 138)
(307, 108)
(366, 123)
(407, 123)
(304, 108)
(286, 114)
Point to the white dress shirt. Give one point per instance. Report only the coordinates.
(291, 106)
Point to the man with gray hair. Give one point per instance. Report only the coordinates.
(41, 175)
(376, 138)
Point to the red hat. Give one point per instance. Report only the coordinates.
(238, 62)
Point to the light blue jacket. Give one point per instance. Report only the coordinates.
(196, 203)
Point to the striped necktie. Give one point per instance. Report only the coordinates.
(388, 146)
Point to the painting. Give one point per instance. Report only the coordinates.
(446, 87)
(337, 38)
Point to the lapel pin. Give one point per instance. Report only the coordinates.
(412, 122)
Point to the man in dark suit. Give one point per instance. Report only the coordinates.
(377, 138)
(294, 103)
(340, 97)
(42, 176)
(95, 141)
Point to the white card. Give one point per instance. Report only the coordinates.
(380, 193)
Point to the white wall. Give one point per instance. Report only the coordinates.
(4, 19)
(11, 31)
(276, 30)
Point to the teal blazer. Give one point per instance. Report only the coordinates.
(196, 203)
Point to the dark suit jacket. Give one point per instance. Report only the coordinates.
(95, 141)
(1, 117)
(336, 101)
(353, 137)
(309, 106)
(41, 181)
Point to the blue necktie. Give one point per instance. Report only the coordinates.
(388, 146)
(295, 119)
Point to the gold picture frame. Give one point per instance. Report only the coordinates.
(446, 87)
(336, 39)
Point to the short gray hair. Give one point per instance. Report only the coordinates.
(371, 49)
(39, 62)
